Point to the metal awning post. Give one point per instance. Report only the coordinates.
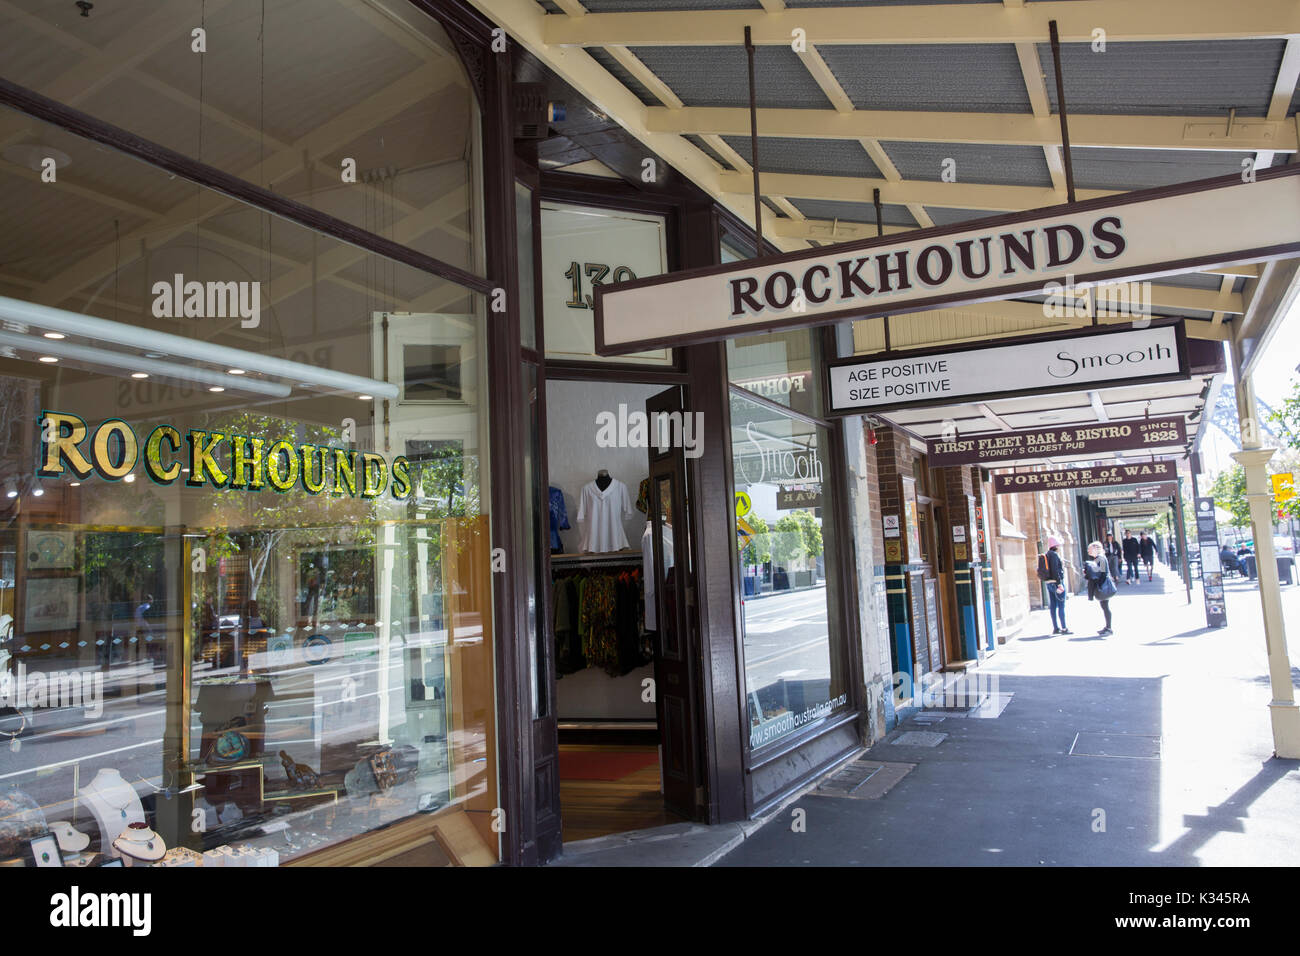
(753, 143)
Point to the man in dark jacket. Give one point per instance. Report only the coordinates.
(1131, 553)
(1147, 548)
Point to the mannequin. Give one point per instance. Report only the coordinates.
(115, 805)
(603, 479)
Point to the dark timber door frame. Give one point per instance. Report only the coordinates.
(677, 671)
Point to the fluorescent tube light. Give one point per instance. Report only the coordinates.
(117, 333)
(116, 361)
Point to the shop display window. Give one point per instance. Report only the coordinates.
(245, 564)
(793, 653)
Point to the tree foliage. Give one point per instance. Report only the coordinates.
(1229, 491)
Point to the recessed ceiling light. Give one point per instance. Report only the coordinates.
(139, 374)
(129, 479)
(38, 492)
(48, 359)
(55, 335)
(185, 471)
(366, 398)
(235, 371)
(11, 493)
(215, 388)
(75, 484)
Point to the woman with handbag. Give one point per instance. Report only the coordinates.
(1101, 586)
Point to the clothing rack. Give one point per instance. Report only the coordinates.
(596, 559)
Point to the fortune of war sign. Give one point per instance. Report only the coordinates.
(1139, 234)
(1085, 439)
(1094, 477)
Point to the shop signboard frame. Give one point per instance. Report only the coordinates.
(1090, 439)
(1130, 236)
(1207, 541)
(930, 373)
(1138, 473)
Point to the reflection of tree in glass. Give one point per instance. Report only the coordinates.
(812, 532)
(759, 549)
(787, 542)
(1229, 490)
(447, 479)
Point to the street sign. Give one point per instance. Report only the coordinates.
(744, 533)
(1086, 439)
(1138, 234)
(1093, 477)
(1283, 490)
(1207, 538)
(743, 504)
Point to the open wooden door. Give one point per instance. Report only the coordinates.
(677, 637)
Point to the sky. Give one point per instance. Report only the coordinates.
(1273, 383)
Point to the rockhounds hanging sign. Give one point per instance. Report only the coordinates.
(1085, 439)
(1098, 477)
(1136, 235)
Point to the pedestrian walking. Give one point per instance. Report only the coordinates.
(1131, 551)
(1101, 586)
(1147, 548)
(1113, 554)
(1051, 569)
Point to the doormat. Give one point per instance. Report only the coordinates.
(604, 764)
(864, 780)
(1132, 746)
(919, 738)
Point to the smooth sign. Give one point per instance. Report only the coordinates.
(1139, 234)
(1023, 481)
(1050, 364)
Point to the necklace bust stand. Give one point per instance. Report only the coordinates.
(114, 804)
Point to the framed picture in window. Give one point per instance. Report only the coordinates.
(50, 550)
(52, 604)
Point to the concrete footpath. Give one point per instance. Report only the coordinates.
(1151, 747)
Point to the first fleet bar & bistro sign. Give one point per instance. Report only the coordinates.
(1083, 439)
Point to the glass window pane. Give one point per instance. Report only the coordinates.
(241, 523)
(357, 108)
(793, 659)
(779, 367)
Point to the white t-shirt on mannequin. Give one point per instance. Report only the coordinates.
(115, 804)
(601, 514)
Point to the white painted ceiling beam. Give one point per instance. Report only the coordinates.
(947, 23)
(525, 22)
(1005, 129)
(953, 195)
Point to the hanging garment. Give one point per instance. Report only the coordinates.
(648, 568)
(603, 513)
(596, 621)
(643, 496)
(559, 517)
(568, 648)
